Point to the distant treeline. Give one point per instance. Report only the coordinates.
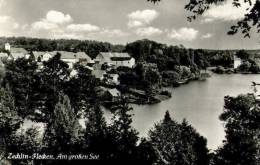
(142, 50)
(92, 48)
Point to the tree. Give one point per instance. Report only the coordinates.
(21, 76)
(53, 79)
(122, 134)
(63, 129)
(251, 18)
(96, 133)
(80, 88)
(146, 154)
(26, 142)
(177, 143)
(241, 116)
(244, 55)
(9, 120)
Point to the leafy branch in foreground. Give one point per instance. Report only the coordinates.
(251, 18)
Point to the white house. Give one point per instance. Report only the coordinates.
(99, 74)
(116, 59)
(7, 47)
(16, 53)
(42, 56)
(3, 55)
(82, 57)
(67, 57)
(237, 62)
(71, 58)
(112, 78)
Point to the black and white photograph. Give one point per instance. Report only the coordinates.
(149, 82)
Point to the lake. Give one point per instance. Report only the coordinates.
(200, 102)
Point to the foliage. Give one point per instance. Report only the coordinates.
(241, 117)
(242, 54)
(251, 18)
(178, 143)
(26, 142)
(9, 120)
(80, 88)
(63, 129)
(96, 134)
(21, 76)
(123, 135)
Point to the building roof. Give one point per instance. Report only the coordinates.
(82, 55)
(114, 92)
(2, 55)
(64, 54)
(98, 73)
(17, 55)
(114, 56)
(18, 50)
(38, 54)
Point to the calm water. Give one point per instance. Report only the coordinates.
(200, 102)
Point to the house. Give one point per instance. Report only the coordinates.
(111, 79)
(3, 56)
(7, 47)
(16, 53)
(82, 57)
(67, 57)
(237, 62)
(15, 56)
(42, 56)
(112, 94)
(71, 58)
(115, 59)
(18, 50)
(99, 74)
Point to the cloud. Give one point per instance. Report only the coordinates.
(142, 17)
(206, 36)
(58, 17)
(63, 35)
(183, 34)
(43, 25)
(2, 2)
(148, 31)
(4, 18)
(225, 12)
(114, 33)
(52, 20)
(82, 28)
(16, 26)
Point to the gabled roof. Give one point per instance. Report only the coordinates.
(114, 92)
(65, 54)
(82, 55)
(38, 54)
(18, 50)
(115, 54)
(2, 55)
(17, 55)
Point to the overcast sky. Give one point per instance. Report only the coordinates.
(122, 21)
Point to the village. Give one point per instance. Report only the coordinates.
(99, 67)
(102, 68)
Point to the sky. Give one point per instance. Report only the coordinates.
(124, 21)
